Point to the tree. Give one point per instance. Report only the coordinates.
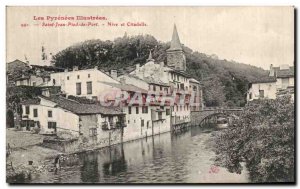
(216, 75)
(263, 138)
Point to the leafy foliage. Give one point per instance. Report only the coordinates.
(14, 95)
(263, 138)
(230, 79)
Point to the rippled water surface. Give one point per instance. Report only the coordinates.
(167, 158)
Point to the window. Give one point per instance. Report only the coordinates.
(49, 113)
(92, 132)
(167, 111)
(51, 125)
(154, 88)
(129, 110)
(145, 109)
(53, 80)
(35, 112)
(128, 121)
(161, 88)
(78, 77)
(33, 83)
(159, 115)
(180, 108)
(142, 123)
(89, 87)
(137, 110)
(78, 88)
(176, 108)
(94, 98)
(182, 86)
(166, 89)
(261, 93)
(147, 124)
(89, 75)
(250, 95)
(68, 77)
(27, 109)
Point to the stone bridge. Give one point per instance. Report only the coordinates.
(197, 117)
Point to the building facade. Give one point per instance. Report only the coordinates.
(83, 83)
(279, 82)
(70, 119)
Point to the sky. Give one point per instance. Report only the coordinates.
(258, 36)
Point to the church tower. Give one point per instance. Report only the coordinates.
(175, 55)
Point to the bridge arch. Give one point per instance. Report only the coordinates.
(197, 118)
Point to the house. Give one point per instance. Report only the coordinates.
(61, 116)
(284, 74)
(143, 119)
(83, 83)
(32, 80)
(36, 75)
(279, 82)
(264, 88)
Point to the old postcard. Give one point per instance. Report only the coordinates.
(150, 95)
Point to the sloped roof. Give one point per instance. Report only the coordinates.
(17, 61)
(194, 80)
(266, 79)
(180, 73)
(126, 70)
(32, 101)
(175, 42)
(80, 108)
(156, 81)
(285, 73)
(126, 87)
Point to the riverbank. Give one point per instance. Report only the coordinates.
(26, 155)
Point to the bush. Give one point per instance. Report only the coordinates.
(263, 138)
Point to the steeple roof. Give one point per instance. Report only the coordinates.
(175, 42)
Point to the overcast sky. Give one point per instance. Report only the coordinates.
(251, 35)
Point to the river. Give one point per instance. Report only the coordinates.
(185, 157)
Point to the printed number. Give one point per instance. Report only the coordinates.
(24, 25)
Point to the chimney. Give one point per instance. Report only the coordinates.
(271, 74)
(122, 80)
(75, 68)
(114, 74)
(66, 70)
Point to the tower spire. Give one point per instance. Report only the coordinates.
(175, 42)
(175, 55)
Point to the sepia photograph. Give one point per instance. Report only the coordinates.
(150, 95)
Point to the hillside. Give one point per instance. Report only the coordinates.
(225, 82)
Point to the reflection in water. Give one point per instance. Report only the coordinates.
(166, 158)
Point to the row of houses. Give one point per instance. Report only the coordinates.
(279, 82)
(115, 106)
